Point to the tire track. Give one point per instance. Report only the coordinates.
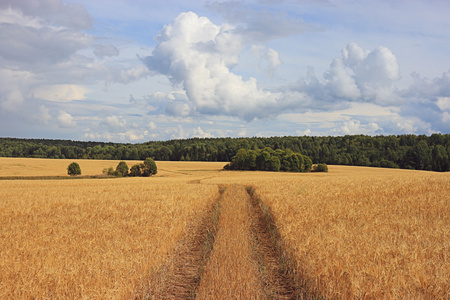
(180, 278)
(235, 252)
(231, 273)
(275, 264)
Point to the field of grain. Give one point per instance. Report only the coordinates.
(351, 233)
(10, 166)
(97, 238)
(363, 232)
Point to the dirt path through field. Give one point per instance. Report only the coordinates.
(231, 273)
(247, 261)
(234, 252)
(180, 277)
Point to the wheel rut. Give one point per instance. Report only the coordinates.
(231, 272)
(180, 277)
(275, 263)
(236, 252)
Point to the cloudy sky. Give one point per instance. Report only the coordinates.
(141, 70)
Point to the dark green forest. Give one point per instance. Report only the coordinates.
(418, 152)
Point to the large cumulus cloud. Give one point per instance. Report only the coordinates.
(199, 55)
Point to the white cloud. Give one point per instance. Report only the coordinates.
(260, 25)
(446, 117)
(189, 52)
(65, 120)
(13, 88)
(101, 50)
(198, 132)
(115, 121)
(268, 57)
(131, 135)
(43, 115)
(443, 103)
(152, 125)
(12, 100)
(355, 127)
(128, 75)
(307, 132)
(340, 83)
(27, 43)
(60, 92)
(53, 11)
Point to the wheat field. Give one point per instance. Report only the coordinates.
(96, 239)
(352, 233)
(363, 232)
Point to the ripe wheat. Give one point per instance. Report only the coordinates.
(99, 239)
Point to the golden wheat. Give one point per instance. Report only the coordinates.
(364, 233)
(58, 167)
(351, 233)
(102, 239)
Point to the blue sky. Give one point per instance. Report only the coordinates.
(135, 71)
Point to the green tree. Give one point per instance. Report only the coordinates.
(122, 169)
(440, 160)
(149, 168)
(274, 164)
(320, 168)
(74, 169)
(135, 170)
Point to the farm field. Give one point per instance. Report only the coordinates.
(351, 233)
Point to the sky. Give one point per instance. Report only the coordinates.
(132, 71)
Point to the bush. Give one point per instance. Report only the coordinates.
(320, 168)
(135, 171)
(109, 171)
(148, 168)
(74, 169)
(122, 169)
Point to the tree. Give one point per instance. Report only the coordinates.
(320, 168)
(274, 164)
(148, 168)
(122, 169)
(441, 162)
(269, 160)
(135, 171)
(74, 169)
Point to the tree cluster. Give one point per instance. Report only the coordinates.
(268, 159)
(145, 169)
(418, 152)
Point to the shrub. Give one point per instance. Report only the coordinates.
(74, 169)
(135, 170)
(320, 168)
(148, 168)
(122, 169)
(109, 171)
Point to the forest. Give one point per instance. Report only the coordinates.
(419, 152)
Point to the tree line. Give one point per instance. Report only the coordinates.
(418, 152)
